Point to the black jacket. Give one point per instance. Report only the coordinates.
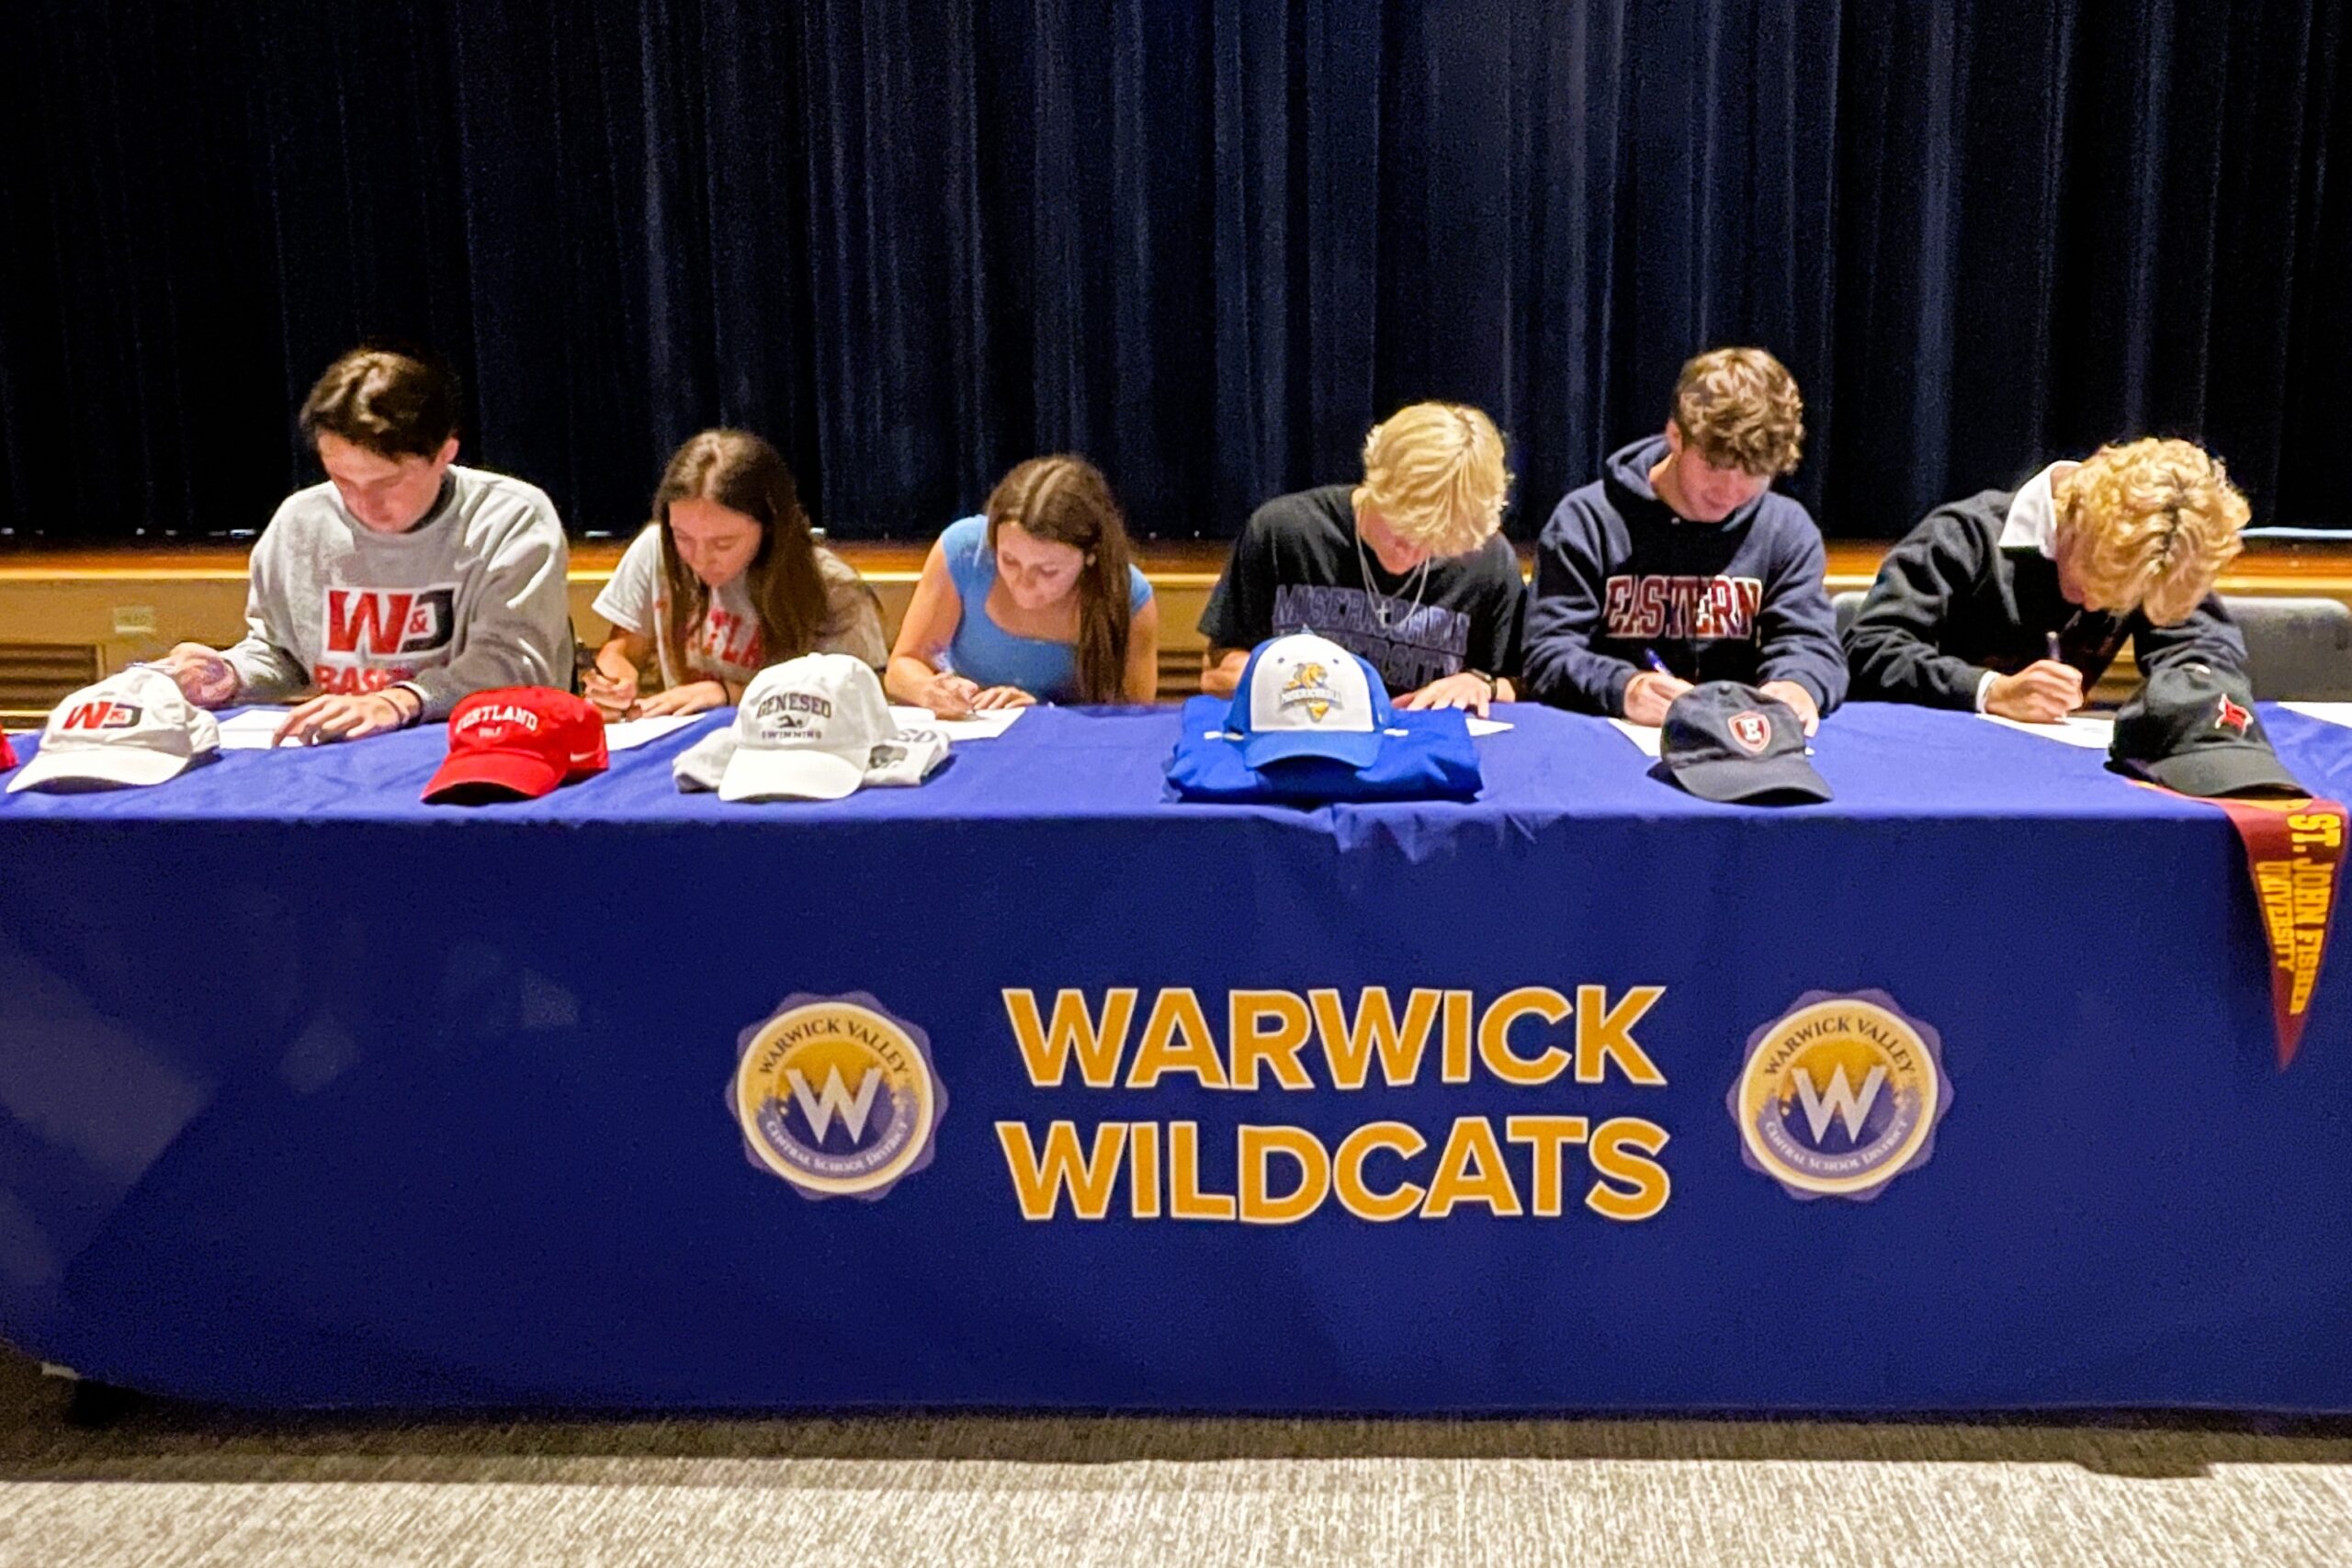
(1950, 603)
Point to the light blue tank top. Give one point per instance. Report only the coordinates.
(984, 651)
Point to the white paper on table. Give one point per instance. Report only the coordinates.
(1645, 736)
(2330, 712)
(985, 726)
(623, 734)
(2075, 729)
(1487, 725)
(252, 730)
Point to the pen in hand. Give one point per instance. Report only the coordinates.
(2053, 643)
(1649, 706)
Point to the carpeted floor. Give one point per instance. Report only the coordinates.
(163, 1486)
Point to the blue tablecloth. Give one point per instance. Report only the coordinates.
(316, 1095)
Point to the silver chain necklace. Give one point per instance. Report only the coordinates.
(1377, 600)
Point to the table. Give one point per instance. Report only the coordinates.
(315, 1096)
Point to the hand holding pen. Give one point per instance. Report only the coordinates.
(1652, 691)
(2042, 692)
(947, 693)
(614, 696)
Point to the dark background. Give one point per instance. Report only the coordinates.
(1203, 242)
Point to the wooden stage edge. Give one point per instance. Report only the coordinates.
(68, 616)
(2320, 567)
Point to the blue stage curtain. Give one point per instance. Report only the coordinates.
(1204, 241)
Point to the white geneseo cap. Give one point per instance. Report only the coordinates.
(1306, 696)
(701, 765)
(913, 757)
(805, 730)
(131, 728)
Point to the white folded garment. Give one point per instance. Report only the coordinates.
(909, 760)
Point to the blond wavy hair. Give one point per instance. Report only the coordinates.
(2148, 524)
(1434, 473)
(1738, 408)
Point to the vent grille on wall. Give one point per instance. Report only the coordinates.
(1180, 673)
(36, 676)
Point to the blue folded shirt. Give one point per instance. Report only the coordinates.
(1423, 756)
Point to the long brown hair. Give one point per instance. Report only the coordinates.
(1064, 499)
(743, 473)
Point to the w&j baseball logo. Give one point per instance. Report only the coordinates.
(1840, 1095)
(102, 715)
(389, 623)
(837, 1095)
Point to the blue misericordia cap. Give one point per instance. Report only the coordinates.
(1303, 696)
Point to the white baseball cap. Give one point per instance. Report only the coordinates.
(905, 761)
(1305, 695)
(805, 728)
(701, 765)
(134, 728)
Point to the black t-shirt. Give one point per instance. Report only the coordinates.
(1295, 569)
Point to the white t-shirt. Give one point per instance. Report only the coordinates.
(728, 645)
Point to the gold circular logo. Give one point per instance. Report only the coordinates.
(1840, 1095)
(837, 1095)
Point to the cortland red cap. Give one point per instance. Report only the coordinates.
(519, 742)
(8, 753)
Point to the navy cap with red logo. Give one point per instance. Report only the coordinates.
(2193, 729)
(1727, 742)
(517, 743)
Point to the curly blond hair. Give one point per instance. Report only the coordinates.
(2148, 524)
(1434, 473)
(1738, 408)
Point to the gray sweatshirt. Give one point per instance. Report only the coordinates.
(470, 599)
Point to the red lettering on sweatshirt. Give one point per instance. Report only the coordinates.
(385, 623)
(728, 641)
(1660, 608)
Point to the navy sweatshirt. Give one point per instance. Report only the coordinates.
(1951, 602)
(1619, 576)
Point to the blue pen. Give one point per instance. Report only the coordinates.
(1650, 658)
